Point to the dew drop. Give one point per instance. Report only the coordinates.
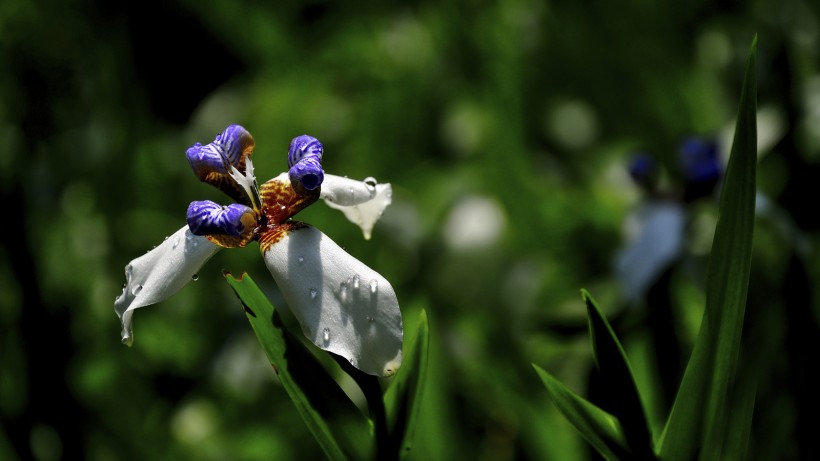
(313, 293)
(374, 286)
(166, 238)
(352, 361)
(195, 277)
(355, 282)
(370, 183)
(136, 290)
(123, 286)
(301, 259)
(343, 291)
(326, 335)
(371, 319)
(176, 242)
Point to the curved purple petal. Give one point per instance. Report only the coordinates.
(304, 146)
(217, 156)
(209, 218)
(307, 172)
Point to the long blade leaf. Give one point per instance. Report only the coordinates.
(700, 411)
(620, 382)
(404, 396)
(598, 427)
(338, 426)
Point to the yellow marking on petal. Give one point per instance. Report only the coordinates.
(277, 233)
(229, 241)
(280, 202)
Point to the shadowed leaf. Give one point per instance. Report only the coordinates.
(620, 383)
(698, 423)
(598, 427)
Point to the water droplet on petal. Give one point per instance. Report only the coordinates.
(355, 282)
(371, 319)
(370, 183)
(374, 286)
(176, 242)
(313, 292)
(326, 335)
(301, 259)
(136, 290)
(343, 289)
(195, 277)
(166, 238)
(123, 286)
(352, 361)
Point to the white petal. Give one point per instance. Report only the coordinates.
(659, 242)
(362, 202)
(343, 306)
(161, 273)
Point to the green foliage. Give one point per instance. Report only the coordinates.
(699, 424)
(335, 422)
(599, 428)
(404, 396)
(712, 413)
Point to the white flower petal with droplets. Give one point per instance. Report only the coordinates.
(343, 306)
(160, 273)
(362, 202)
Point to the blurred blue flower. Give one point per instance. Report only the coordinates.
(644, 170)
(700, 167)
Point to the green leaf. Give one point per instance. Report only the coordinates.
(338, 426)
(598, 427)
(620, 382)
(403, 397)
(698, 423)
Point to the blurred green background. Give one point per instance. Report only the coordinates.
(506, 130)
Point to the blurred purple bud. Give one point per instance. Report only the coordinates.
(644, 170)
(700, 167)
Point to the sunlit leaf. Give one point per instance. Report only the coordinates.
(403, 397)
(598, 427)
(697, 426)
(338, 426)
(619, 381)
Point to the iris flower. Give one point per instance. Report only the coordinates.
(342, 305)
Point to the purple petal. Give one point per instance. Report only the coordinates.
(304, 146)
(307, 172)
(216, 156)
(208, 218)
